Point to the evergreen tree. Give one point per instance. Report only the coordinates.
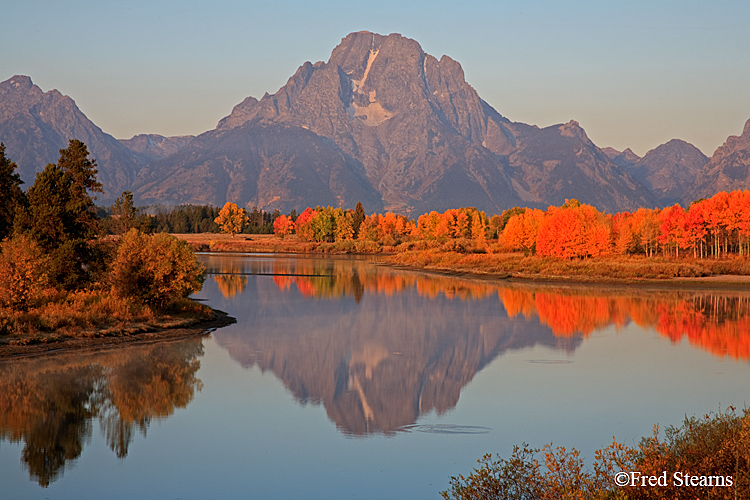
(124, 213)
(359, 218)
(11, 195)
(61, 216)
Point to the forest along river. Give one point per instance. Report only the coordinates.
(344, 379)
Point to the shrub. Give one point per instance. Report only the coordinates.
(23, 272)
(715, 445)
(155, 269)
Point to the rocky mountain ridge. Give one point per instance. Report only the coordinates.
(380, 122)
(728, 168)
(35, 125)
(410, 128)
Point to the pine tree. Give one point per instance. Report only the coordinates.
(359, 217)
(12, 196)
(61, 216)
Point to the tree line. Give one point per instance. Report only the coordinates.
(715, 227)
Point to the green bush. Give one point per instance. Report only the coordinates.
(155, 269)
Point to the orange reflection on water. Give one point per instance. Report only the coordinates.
(49, 403)
(711, 320)
(716, 323)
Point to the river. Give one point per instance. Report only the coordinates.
(346, 379)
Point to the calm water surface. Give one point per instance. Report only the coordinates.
(343, 379)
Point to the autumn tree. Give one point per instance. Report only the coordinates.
(232, 219)
(23, 272)
(343, 221)
(155, 269)
(574, 230)
(521, 230)
(282, 226)
(302, 225)
(323, 225)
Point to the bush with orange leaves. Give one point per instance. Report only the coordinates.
(155, 269)
(712, 447)
(23, 272)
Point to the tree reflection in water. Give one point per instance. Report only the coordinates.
(379, 365)
(716, 321)
(49, 403)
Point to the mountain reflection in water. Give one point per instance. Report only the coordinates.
(377, 365)
(49, 403)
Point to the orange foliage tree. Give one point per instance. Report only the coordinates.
(521, 230)
(282, 226)
(574, 230)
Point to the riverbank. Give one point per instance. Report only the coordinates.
(498, 264)
(631, 270)
(87, 321)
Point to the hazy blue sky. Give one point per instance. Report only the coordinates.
(632, 73)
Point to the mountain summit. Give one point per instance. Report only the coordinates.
(384, 123)
(35, 125)
(729, 168)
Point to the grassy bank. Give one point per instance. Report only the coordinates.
(269, 243)
(95, 318)
(630, 268)
(489, 261)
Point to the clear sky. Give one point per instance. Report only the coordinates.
(632, 73)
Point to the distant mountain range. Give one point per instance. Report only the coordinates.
(382, 123)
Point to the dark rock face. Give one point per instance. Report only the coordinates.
(729, 168)
(35, 125)
(414, 136)
(669, 171)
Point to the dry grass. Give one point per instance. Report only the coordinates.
(92, 314)
(463, 256)
(602, 268)
(269, 243)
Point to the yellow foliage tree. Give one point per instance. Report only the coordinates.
(232, 219)
(23, 272)
(155, 269)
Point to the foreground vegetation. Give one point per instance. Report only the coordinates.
(706, 457)
(59, 280)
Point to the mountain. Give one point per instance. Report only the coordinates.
(380, 122)
(669, 171)
(384, 123)
(35, 125)
(560, 162)
(728, 169)
(265, 165)
(151, 147)
(622, 159)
